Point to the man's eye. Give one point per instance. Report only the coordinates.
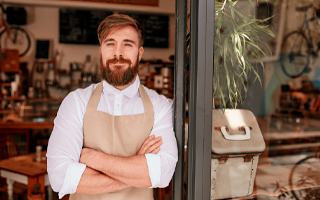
(109, 44)
(128, 45)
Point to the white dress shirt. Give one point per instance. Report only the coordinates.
(66, 140)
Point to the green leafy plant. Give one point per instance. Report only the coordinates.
(237, 47)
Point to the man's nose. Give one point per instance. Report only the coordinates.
(118, 51)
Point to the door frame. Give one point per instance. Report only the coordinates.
(200, 103)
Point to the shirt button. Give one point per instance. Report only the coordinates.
(118, 105)
(118, 92)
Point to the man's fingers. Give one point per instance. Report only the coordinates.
(144, 146)
(156, 150)
(153, 141)
(149, 142)
(150, 138)
(154, 146)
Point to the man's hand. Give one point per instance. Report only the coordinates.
(150, 145)
(87, 155)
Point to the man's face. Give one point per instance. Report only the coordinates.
(120, 55)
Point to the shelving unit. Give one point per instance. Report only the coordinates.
(295, 125)
(11, 76)
(160, 78)
(292, 137)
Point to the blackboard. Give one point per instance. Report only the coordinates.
(80, 27)
(156, 29)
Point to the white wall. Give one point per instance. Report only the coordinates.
(43, 23)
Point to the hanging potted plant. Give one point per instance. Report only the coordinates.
(236, 47)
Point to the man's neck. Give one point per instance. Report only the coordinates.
(122, 87)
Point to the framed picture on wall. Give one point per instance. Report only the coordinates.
(44, 49)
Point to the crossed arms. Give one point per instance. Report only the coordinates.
(107, 173)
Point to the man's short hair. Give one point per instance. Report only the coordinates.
(118, 21)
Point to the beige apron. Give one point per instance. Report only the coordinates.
(117, 135)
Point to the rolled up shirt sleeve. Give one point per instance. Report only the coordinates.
(65, 145)
(161, 166)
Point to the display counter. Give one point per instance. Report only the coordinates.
(28, 121)
(23, 128)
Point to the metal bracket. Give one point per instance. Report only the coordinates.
(223, 159)
(248, 158)
(242, 128)
(219, 129)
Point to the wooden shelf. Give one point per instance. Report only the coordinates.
(15, 98)
(6, 84)
(26, 125)
(293, 135)
(45, 100)
(5, 112)
(35, 99)
(294, 146)
(92, 5)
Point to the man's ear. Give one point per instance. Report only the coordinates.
(141, 50)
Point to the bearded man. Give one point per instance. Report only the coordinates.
(113, 140)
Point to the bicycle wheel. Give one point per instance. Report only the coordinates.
(295, 54)
(19, 39)
(304, 178)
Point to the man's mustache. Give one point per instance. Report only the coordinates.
(120, 60)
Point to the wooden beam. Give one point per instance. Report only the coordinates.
(129, 2)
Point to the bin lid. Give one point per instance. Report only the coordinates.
(236, 131)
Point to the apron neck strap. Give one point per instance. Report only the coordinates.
(95, 97)
(148, 107)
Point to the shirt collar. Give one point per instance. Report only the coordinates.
(129, 91)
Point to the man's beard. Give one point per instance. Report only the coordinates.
(118, 76)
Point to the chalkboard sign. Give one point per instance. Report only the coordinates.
(80, 27)
(156, 29)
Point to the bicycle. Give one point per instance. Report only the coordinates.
(13, 37)
(298, 47)
(305, 175)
